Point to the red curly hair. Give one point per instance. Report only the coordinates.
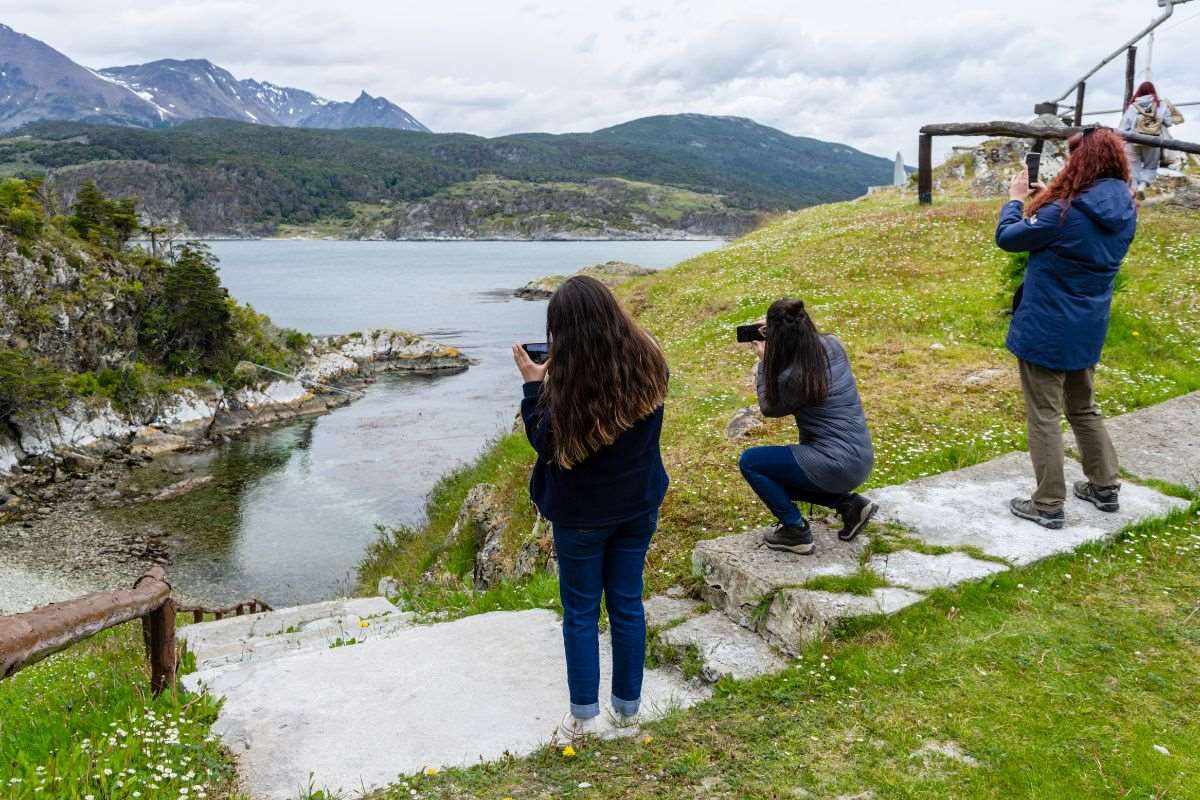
(1094, 154)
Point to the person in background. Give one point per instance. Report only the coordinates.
(1148, 115)
(594, 414)
(806, 374)
(1077, 231)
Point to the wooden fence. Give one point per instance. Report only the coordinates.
(1018, 130)
(27, 638)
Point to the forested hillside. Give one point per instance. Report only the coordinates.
(217, 176)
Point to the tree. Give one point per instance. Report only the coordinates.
(111, 223)
(188, 325)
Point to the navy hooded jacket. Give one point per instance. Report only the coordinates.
(1062, 318)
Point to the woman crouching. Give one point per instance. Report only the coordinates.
(594, 412)
(806, 374)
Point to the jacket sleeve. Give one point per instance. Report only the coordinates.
(1016, 234)
(537, 427)
(1128, 120)
(780, 409)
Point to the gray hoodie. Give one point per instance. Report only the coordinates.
(835, 448)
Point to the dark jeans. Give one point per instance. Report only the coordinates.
(607, 560)
(777, 479)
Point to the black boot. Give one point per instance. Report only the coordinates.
(1105, 498)
(792, 538)
(856, 512)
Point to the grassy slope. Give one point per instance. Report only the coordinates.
(891, 281)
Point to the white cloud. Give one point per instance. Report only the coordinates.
(868, 73)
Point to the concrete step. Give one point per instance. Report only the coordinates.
(763, 590)
(725, 648)
(969, 508)
(448, 694)
(271, 634)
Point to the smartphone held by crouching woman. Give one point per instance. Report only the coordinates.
(593, 411)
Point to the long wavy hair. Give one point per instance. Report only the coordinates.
(794, 341)
(1093, 155)
(605, 373)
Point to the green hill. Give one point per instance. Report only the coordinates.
(217, 176)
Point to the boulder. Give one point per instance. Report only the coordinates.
(610, 273)
(744, 422)
(148, 441)
(482, 519)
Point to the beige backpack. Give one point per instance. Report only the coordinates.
(1148, 121)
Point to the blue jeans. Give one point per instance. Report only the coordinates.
(607, 560)
(778, 480)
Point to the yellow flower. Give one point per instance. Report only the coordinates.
(647, 739)
(431, 771)
(1135, 333)
(568, 752)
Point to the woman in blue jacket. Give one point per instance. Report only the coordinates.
(594, 412)
(1077, 231)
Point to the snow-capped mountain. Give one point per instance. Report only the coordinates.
(38, 82)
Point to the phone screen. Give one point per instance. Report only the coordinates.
(1033, 161)
(538, 352)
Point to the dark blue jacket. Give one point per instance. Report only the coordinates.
(614, 484)
(1062, 318)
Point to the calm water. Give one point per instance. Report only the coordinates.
(290, 511)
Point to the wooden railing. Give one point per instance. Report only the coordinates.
(27, 638)
(1014, 129)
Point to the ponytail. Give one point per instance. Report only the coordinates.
(794, 342)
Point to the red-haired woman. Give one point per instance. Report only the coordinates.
(1077, 231)
(1149, 115)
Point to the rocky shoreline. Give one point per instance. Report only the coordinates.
(57, 471)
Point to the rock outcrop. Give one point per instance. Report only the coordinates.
(97, 427)
(610, 273)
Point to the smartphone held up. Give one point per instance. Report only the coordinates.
(751, 333)
(538, 352)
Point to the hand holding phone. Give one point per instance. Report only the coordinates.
(531, 371)
(1033, 163)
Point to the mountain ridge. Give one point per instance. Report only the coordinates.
(39, 83)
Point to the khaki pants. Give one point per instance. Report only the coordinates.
(1048, 394)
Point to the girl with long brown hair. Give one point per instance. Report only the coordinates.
(1077, 231)
(806, 374)
(593, 412)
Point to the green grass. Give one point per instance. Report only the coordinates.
(82, 724)
(1059, 679)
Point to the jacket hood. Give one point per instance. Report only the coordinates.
(1108, 202)
(1146, 101)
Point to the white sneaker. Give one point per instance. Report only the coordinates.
(623, 726)
(572, 729)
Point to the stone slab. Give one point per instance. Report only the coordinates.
(738, 571)
(725, 647)
(798, 616)
(316, 624)
(969, 507)
(924, 572)
(442, 695)
(1161, 441)
(663, 609)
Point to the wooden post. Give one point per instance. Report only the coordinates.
(1079, 90)
(162, 647)
(241, 610)
(925, 170)
(1130, 70)
(198, 615)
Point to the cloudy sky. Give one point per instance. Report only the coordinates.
(868, 73)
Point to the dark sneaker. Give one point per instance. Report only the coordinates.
(1104, 498)
(792, 538)
(1025, 509)
(855, 513)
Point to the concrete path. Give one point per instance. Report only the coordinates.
(449, 694)
(405, 696)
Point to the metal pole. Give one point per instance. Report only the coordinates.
(1130, 72)
(1079, 103)
(925, 170)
